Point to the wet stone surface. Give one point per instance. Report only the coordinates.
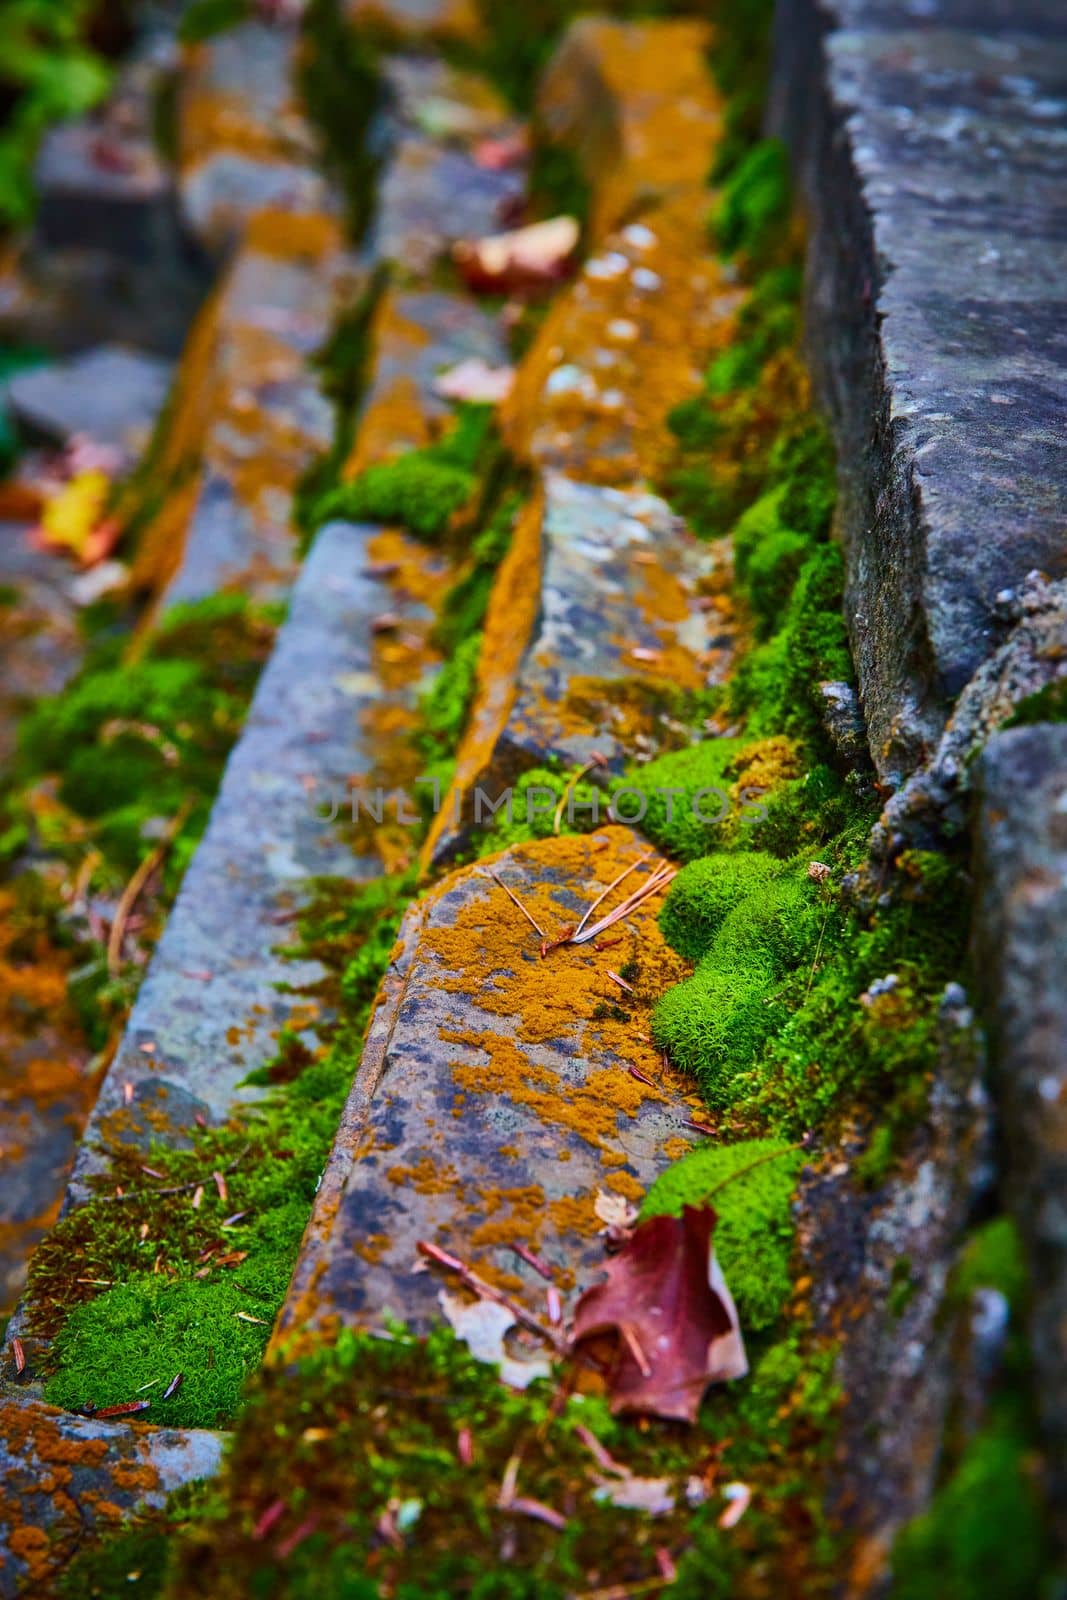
(605, 612)
(249, 417)
(209, 1010)
(495, 1096)
(64, 1477)
(1022, 855)
(941, 323)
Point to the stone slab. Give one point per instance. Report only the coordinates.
(190, 1040)
(603, 612)
(637, 104)
(247, 418)
(111, 393)
(623, 345)
(932, 145)
(244, 143)
(430, 196)
(65, 1478)
(1022, 947)
(415, 335)
(494, 1098)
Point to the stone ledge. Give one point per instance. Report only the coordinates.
(924, 156)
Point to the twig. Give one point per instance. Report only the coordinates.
(659, 880)
(129, 896)
(625, 1591)
(576, 937)
(818, 950)
(517, 902)
(488, 1291)
(176, 1188)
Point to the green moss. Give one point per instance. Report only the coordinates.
(777, 682)
(983, 1538)
(993, 1259)
(754, 1234)
(1047, 705)
(715, 1023)
(397, 1406)
(203, 19)
(341, 87)
(421, 490)
(142, 1288)
(753, 208)
(705, 892)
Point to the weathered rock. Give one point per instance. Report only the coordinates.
(40, 644)
(65, 1478)
(603, 614)
(1021, 943)
(244, 143)
(108, 257)
(637, 103)
(495, 1096)
(415, 335)
(936, 800)
(899, 1361)
(620, 348)
(112, 393)
(928, 155)
(247, 417)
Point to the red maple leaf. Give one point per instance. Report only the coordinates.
(675, 1325)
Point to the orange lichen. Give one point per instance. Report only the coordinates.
(619, 349)
(638, 105)
(399, 22)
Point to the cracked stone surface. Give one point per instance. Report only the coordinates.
(495, 1096)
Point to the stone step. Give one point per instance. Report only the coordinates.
(495, 1097)
(1022, 863)
(418, 22)
(209, 1010)
(604, 613)
(636, 102)
(433, 192)
(244, 143)
(247, 417)
(940, 315)
(625, 344)
(66, 1478)
(110, 392)
(415, 335)
(108, 257)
